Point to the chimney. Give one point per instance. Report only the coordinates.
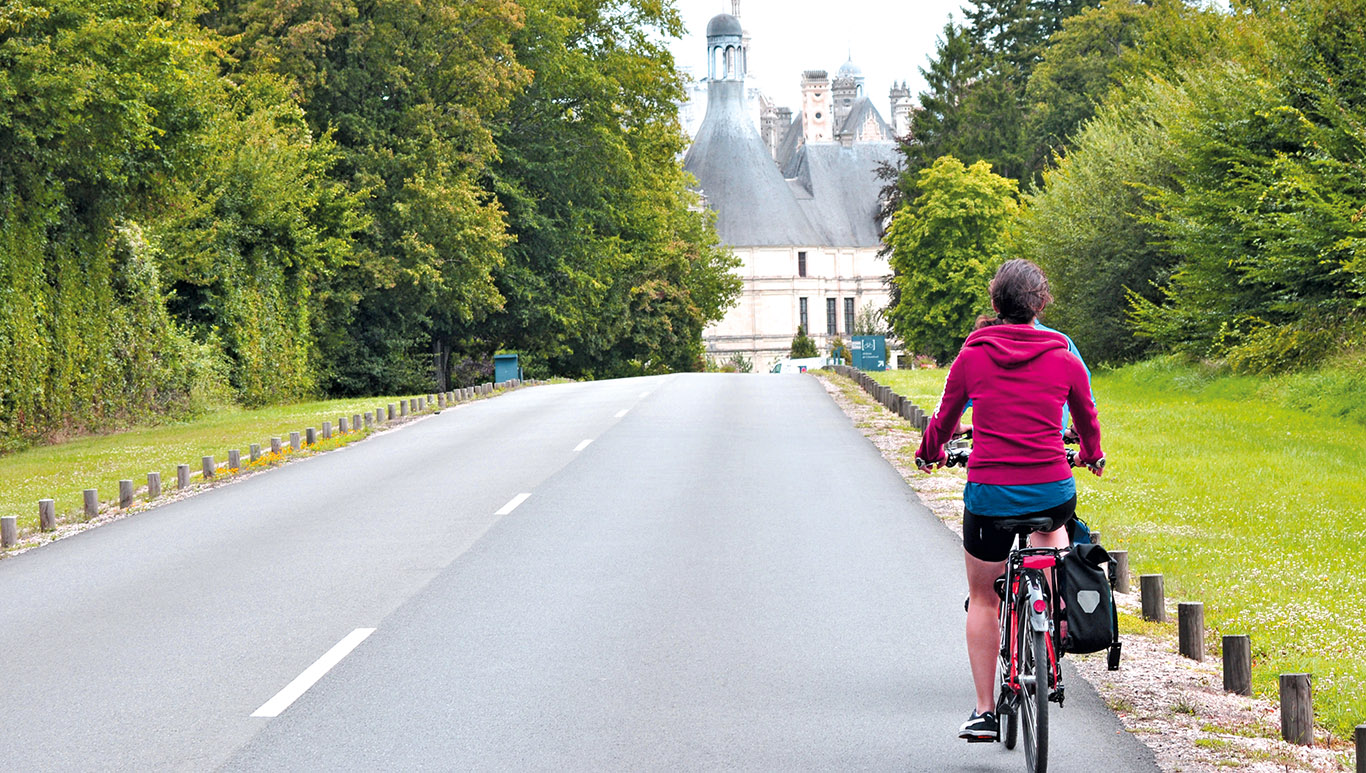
(816, 118)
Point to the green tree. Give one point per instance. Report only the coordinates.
(260, 226)
(802, 345)
(614, 269)
(1104, 54)
(407, 90)
(101, 107)
(1087, 228)
(945, 246)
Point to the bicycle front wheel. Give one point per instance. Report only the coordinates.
(1032, 712)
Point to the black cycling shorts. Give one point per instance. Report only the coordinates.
(985, 541)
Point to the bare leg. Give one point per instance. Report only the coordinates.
(984, 628)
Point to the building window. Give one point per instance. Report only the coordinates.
(830, 317)
(801, 264)
(801, 304)
(848, 316)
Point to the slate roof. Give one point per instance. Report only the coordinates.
(825, 195)
(754, 207)
(724, 24)
(858, 114)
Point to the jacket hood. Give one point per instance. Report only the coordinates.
(1010, 346)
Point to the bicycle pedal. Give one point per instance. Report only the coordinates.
(983, 740)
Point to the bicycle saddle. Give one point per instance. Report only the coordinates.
(1023, 525)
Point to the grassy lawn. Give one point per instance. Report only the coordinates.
(60, 472)
(1242, 501)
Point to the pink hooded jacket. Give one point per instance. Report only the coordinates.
(1018, 378)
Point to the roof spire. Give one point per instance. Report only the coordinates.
(735, 8)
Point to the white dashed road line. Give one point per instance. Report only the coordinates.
(312, 674)
(622, 412)
(583, 445)
(513, 503)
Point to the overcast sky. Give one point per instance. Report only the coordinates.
(889, 39)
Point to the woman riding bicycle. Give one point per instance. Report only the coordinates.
(1019, 378)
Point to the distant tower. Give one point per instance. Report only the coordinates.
(773, 123)
(903, 107)
(816, 119)
(846, 89)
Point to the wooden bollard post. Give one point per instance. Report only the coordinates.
(394, 411)
(182, 476)
(91, 499)
(327, 430)
(1154, 605)
(9, 534)
(369, 420)
(277, 446)
(295, 442)
(1190, 620)
(343, 424)
(1095, 537)
(254, 453)
(441, 400)
(125, 494)
(402, 408)
(355, 422)
(153, 485)
(311, 436)
(47, 514)
(209, 467)
(1121, 559)
(1361, 748)
(1237, 654)
(1297, 709)
(234, 459)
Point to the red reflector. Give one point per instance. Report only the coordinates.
(1040, 606)
(1040, 562)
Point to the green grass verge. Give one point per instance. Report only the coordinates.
(1247, 494)
(60, 472)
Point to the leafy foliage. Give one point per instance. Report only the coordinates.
(1087, 229)
(614, 269)
(96, 114)
(945, 246)
(802, 345)
(260, 200)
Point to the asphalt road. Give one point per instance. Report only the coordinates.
(728, 576)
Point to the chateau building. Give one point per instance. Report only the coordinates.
(796, 199)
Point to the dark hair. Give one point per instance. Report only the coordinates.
(1019, 291)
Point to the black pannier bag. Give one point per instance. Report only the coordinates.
(1088, 603)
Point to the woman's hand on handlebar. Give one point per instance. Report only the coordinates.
(1097, 467)
(928, 467)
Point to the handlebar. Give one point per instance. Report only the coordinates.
(958, 457)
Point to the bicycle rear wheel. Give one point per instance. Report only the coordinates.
(1033, 705)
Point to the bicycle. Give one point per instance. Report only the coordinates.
(1028, 670)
